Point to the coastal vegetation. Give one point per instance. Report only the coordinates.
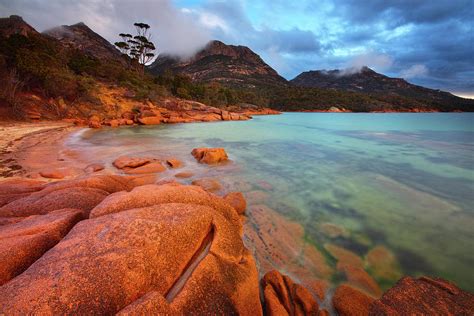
(31, 62)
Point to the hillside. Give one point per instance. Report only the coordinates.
(233, 66)
(69, 66)
(71, 72)
(367, 81)
(79, 36)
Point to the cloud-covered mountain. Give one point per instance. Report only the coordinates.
(236, 66)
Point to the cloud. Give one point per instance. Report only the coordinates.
(377, 61)
(414, 71)
(173, 30)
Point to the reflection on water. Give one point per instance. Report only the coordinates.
(393, 190)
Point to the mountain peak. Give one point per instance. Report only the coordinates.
(228, 64)
(15, 25)
(82, 37)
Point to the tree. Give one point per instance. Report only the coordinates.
(138, 48)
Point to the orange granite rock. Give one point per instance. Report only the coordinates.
(284, 297)
(95, 167)
(174, 163)
(184, 174)
(424, 296)
(208, 184)
(237, 201)
(130, 162)
(53, 174)
(348, 301)
(210, 155)
(278, 243)
(81, 198)
(172, 258)
(14, 189)
(150, 120)
(383, 263)
(153, 194)
(151, 167)
(22, 243)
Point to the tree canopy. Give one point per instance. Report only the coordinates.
(139, 48)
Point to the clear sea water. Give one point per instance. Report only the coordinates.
(404, 181)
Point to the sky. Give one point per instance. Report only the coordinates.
(426, 42)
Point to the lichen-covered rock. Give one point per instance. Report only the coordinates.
(22, 243)
(171, 258)
(14, 189)
(153, 194)
(284, 297)
(81, 198)
(424, 296)
(210, 155)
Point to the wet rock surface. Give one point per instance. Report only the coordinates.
(210, 155)
(284, 297)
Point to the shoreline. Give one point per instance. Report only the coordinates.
(34, 147)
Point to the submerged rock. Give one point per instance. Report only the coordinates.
(424, 296)
(210, 155)
(208, 184)
(348, 301)
(279, 243)
(184, 174)
(383, 264)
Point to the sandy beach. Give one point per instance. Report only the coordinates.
(20, 142)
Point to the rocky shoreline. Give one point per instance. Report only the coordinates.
(86, 241)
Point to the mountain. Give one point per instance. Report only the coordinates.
(234, 66)
(15, 25)
(79, 36)
(367, 81)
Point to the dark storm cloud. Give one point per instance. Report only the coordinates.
(402, 11)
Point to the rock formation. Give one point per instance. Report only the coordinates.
(236, 66)
(210, 155)
(155, 249)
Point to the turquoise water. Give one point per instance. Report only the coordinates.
(401, 181)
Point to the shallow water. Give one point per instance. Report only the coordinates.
(402, 181)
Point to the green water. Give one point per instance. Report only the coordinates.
(404, 181)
